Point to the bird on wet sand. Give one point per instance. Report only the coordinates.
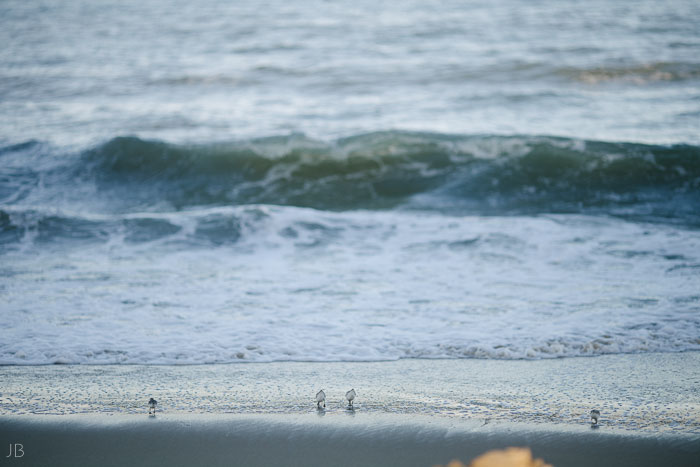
(152, 405)
(595, 415)
(350, 396)
(320, 397)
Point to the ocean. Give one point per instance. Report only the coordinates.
(220, 182)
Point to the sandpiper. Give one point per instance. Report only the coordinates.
(152, 405)
(350, 396)
(595, 415)
(320, 397)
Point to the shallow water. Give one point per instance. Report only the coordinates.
(301, 284)
(651, 393)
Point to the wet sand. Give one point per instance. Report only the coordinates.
(333, 439)
(408, 412)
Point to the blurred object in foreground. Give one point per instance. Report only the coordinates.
(510, 457)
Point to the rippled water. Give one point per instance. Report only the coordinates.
(237, 181)
(87, 71)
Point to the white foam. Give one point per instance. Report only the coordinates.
(301, 284)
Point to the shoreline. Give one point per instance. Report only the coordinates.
(321, 362)
(407, 412)
(652, 392)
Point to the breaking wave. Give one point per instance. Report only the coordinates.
(474, 174)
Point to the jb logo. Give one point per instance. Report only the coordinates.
(16, 450)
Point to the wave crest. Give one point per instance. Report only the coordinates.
(474, 174)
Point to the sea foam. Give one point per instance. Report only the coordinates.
(301, 284)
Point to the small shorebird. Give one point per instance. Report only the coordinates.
(595, 415)
(350, 396)
(320, 397)
(152, 405)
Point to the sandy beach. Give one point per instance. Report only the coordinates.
(408, 412)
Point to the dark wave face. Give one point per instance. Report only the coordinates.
(484, 175)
